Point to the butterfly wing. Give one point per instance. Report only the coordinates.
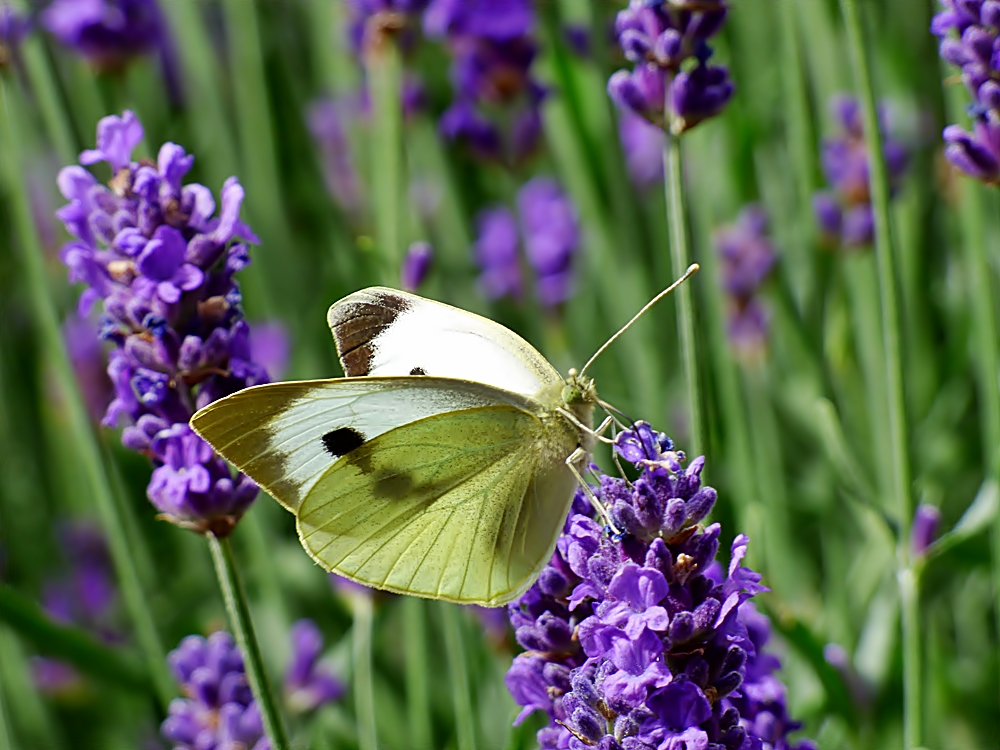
(381, 331)
(464, 506)
(285, 436)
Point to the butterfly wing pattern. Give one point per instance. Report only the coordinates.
(436, 468)
(381, 331)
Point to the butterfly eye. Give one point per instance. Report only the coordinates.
(571, 394)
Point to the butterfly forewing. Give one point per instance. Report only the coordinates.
(286, 435)
(463, 506)
(381, 331)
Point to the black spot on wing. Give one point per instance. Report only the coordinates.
(342, 441)
(418, 371)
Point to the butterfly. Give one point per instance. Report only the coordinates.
(443, 465)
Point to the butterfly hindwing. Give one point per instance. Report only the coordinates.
(380, 331)
(285, 436)
(463, 506)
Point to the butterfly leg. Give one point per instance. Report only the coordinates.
(602, 512)
(598, 433)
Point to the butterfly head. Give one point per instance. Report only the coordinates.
(578, 389)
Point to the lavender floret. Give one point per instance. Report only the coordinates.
(969, 32)
(641, 641)
(662, 38)
(844, 214)
(161, 261)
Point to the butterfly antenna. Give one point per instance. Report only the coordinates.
(691, 271)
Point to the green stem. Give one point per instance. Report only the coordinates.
(417, 693)
(6, 739)
(259, 163)
(385, 76)
(455, 648)
(364, 682)
(986, 354)
(239, 618)
(91, 459)
(681, 259)
(879, 186)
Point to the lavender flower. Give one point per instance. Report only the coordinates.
(640, 640)
(162, 263)
(416, 264)
(327, 120)
(550, 231)
(642, 144)
(660, 37)
(492, 52)
(86, 597)
(372, 20)
(218, 710)
(551, 236)
(926, 521)
(845, 213)
(89, 363)
(976, 27)
(106, 32)
(747, 259)
(496, 253)
(13, 28)
(307, 686)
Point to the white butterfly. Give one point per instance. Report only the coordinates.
(443, 465)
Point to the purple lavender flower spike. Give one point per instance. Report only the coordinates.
(492, 52)
(307, 686)
(496, 253)
(416, 264)
(106, 32)
(86, 596)
(551, 237)
(328, 121)
(747, 259)
(217, 710)
(669, 653)
(150, 249)
(13, 28)
(642, 144)
(925, 525)
(844, 213)
(969, 35)
(660, 37)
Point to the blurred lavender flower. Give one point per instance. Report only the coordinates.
(86, 354)
(328, 121)
(550, 229)
(976, 27)
(106, 32)
(496, 253)
(642, 144)
(307, 686)
(844, 214)
(86, 596)
(659, 37)
(926, 521)
(13, 28)
(416, 264)
(269, 347)
(218, 710)
(372, 20)
(492, 52)
(641, 641)
(162, 264)
(747, 259)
